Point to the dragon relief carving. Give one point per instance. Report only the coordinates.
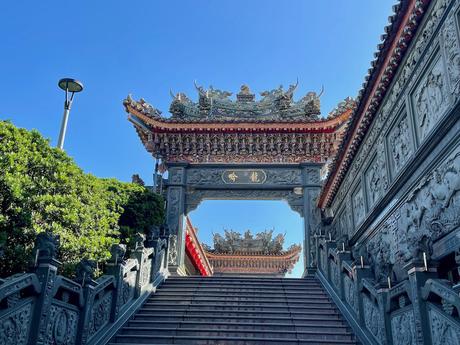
(430, 98)
(432, 209)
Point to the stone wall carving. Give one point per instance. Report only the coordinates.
(173, 210)
(373, 319)
(172, 259)
(279, 176)
(452, 53)
(394, 100)
(62, 326)
(376, 176)
(443, 330)
(175, 175)
(204, 176)
(400, 144)
(14, 327)
(432, 209)
(195, 197)
(430, 98)
(335, 274)
(349, 290)
(100, 314)
(403, 328)
(358, 206)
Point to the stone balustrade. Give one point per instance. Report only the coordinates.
(43, 307)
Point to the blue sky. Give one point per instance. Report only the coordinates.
(148, 47)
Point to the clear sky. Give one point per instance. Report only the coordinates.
(149, 47)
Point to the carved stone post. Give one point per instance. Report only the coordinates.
(418, 275)
(360, 274)
(175, 212)
(115, 268)
(46, 246)
(85, 272)
(311, 188)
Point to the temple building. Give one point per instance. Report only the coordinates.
(248, 255)
(259, 255)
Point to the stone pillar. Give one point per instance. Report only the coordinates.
(175, 211)
(311, 188)
(418, 275)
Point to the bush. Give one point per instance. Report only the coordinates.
(42, 189)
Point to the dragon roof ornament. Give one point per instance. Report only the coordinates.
(262, 242)
(217, 105)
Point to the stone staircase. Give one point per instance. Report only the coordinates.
(236, 311)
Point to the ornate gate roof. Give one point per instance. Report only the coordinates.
(217, 128)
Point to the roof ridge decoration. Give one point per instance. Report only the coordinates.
(217, 106)
(262, 243)
(398, 34)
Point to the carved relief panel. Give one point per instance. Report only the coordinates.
(452, 53)
(359, 209)
(430, 98)
(376, 176)
(403, 328)
(400, 144)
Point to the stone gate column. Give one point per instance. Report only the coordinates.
(311, 189)
(175, 210)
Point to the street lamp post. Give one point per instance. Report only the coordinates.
(69, 86)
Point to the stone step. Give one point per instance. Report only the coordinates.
(145, 312)
(232, 332)
(224, 340)
(245, 278)
(240, 325)
(249, 304)
(242, 282)
(233, 292)
(313, 319)
(240, 287)
(235, 296)
(241, 297)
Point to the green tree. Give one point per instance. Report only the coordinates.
(42, 189)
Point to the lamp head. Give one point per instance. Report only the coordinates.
(71, 85)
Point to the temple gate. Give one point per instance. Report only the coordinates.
(245, 149)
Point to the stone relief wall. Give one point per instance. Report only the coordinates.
(423, 59)
(444, 331)
(400, 142)
(359, 210)
(430, 98)
(402, 192)
(403, 328)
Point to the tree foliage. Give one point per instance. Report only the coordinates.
(42, 189)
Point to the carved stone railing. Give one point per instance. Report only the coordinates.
(420, 309)
(43, 307)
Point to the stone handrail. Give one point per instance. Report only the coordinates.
(43, 307)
